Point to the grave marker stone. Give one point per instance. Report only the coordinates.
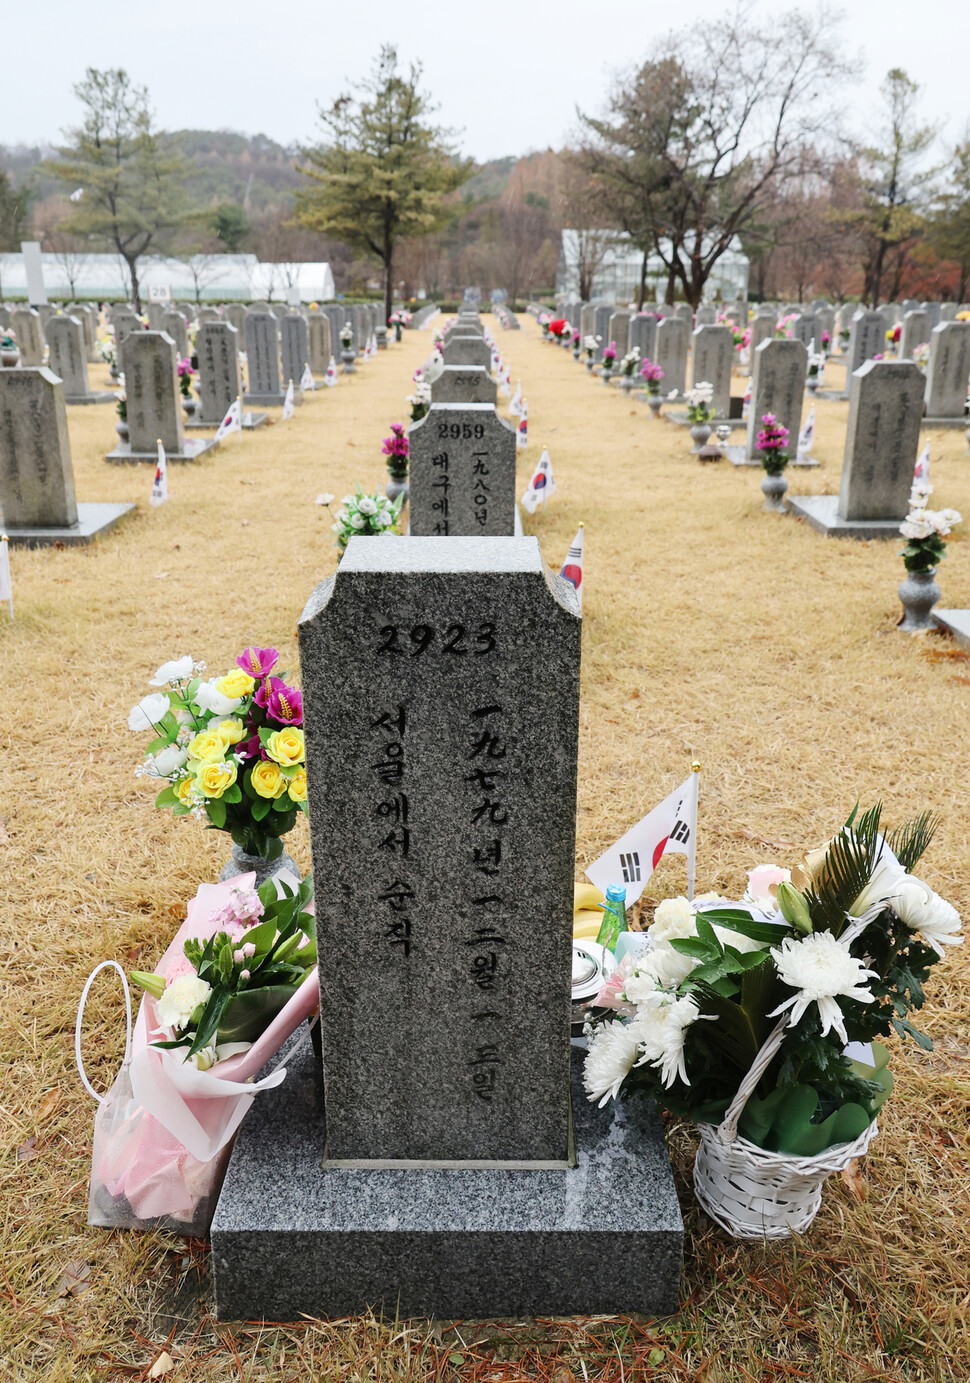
(805, 329)
(320, 342)
(462, 473)
(602, 319)
(947, 374)
(464, 384)
(154, 403)
(36, 472)
(619, 330)
(777, 386)
(673, 335)
(713, 353)
(68, 360)
(643, 335)
(915, 332)
(174, 325)
(294, 351)
(467, 350)
(882, 440)
(263, 360)
(217, 349)
(26, 325)
(706, 315)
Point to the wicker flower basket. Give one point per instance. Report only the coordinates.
(756, 1194)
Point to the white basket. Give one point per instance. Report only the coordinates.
(755, 1194)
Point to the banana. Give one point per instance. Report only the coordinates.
(586, 896)
(586, 924)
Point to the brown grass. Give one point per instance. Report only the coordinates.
(711, 629)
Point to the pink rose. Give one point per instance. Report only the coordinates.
(762, 879)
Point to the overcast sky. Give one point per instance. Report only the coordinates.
(506, 76)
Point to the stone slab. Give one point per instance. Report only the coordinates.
(99, 396)
(192, 449)
(272, 400)
(738, 457)
(289, 1237)
(680, 419)
(92, 519)
(249, 421)
(821, 511)
(955, 622)
(926, 423)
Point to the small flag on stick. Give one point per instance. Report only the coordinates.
(6, 585)
(572, 568)
(541, 485)
(306, 379)
(289, 402)
(515, 407)
(921, 471)
(159, 492)
(331, 377)
(807, 434)
(671, 828)
(522, 439)
(232, 422)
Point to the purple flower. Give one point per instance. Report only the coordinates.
(258, 662)
(185, 366)
(280, 702)
(772, 437)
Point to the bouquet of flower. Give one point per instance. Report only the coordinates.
(629, 362)
(700, 402)
(826, 340)
(925, 530)
(589, 345)
(893, 334)
(366, 514)
(106, 348)
(609, 356)
(741, 336)
(8, 340)
(557, 327)
(121, 405)
(653, 374)
(816, 365)
(346, 335)
(229, 750)
(921, 355)
(395, 319)
(185, 373)
(835, 951)
(784, 326)
(772, 443)
(395, 448)
(232, 984)
(420, 400)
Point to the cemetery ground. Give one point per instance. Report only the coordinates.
(711, 630)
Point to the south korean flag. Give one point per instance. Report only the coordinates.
(306, 379)
(159, 492)
(515, 407)
(541, 486)
(331, 377)
(232, 422)
(572, 568)
(666, 830)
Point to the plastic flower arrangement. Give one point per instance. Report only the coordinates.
(366, 515)
(826, 340)
(773, 444)
(741, 336)
(8, 339)
(784, 327)
(229, 750)
(231, 985)
(893, 334)
(557, 327)
(653, 374)
(816, 365)
(346, 335)
(921, 355)
(106, 348)
(630, 362)
(835, 951)
(395, 448)
(121, 405)
(185, 373)
(609, 356)
(589, 345)
(700, 402)
(925, 530)
(420, 400)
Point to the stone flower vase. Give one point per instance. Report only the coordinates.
(589, 363)
(919, 593)
(607, 375)
(349, 357)
(9, 358)
(241, 863)
(396, 485)
(189, 405)
(656, 403)
(773, 488)
(811, 384)
(576, 352)
(121, 427)
(700, 433)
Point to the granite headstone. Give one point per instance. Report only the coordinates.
(462, 472)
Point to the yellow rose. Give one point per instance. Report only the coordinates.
(268, 780)
(297, 786)
(207, 747)
(230, 731)
(286, 746)
(184, 789)
(213, 779)
(235, 683)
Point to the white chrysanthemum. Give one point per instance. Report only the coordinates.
(660, 1030)
(149, 711)
(821, 969)
(924, 911)
(365, 505)
(173, 671)
(180, 1000)
(660, 968)
(674, 918)
(612, 1051)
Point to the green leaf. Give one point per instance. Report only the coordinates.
(211, 1018)
(707, 934)
(232, 794)
(216, 809)
(737, 920)
(167, 797)
(905, 1028)
(690, 946)
(260, 807)
(157, 745)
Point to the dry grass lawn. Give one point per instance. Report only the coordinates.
(711, 630)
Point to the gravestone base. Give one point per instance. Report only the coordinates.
(92, 519)
(927, 422)
(737, 457)
(290, 1237)
(833, 395)
(821, 511)
(192, 449)
(955, 622)
(249, 421)
(680, 419)
(97, 396)
(272, 400)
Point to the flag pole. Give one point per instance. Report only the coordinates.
(695, 774)
(5, 564)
